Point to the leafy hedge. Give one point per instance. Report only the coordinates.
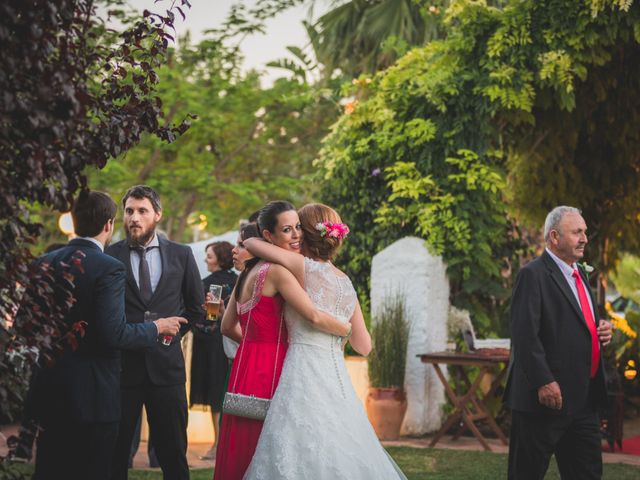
(489, 124)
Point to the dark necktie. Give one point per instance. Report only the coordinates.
(591, 323)
(144, 277)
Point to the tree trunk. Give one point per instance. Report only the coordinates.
(169, 228)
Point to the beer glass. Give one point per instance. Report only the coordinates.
(213, 302)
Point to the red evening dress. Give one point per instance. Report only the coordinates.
(262, 349)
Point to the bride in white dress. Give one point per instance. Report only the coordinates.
(316, 427)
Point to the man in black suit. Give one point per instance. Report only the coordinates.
(556, 375)
(79, 397)
(163, 279)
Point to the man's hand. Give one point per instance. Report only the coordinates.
(550, 396)
(604, 332)
(169, 326)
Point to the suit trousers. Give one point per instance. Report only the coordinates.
(166, 408)
(574, 439)
(75, 450)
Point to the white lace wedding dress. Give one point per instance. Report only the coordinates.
(316, 427)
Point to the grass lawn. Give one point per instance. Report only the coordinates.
(437, 464)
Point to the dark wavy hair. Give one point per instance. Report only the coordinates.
(140, 192)
(250, 230)
(268, 215)
(223, 252)
(267, 220)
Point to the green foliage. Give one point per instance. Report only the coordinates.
(625, 351)
(515, 110)
(302, 66)
(248, 145)
(626, 277)
(444, 209)
(363, 37)
(390, 336)
(14, 471)
(74, 95)
(431, 181)
(17, 368)
(581, 150)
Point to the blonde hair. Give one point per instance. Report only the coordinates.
(321, 248)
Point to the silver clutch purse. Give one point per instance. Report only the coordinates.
(249, 406)
(246, 406)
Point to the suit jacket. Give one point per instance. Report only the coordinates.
(178, 293)
(550, 341)
(84, 385)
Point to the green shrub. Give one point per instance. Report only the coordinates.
(390, 335)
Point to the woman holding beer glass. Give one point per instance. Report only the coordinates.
(209, 364)
(254, 318)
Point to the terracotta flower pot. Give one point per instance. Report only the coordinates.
(386, 408)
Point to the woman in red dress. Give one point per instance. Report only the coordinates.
(254, 318)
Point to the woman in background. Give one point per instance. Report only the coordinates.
(209, 363)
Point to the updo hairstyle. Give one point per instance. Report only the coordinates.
(319, 247)
(249, 230)
(268, 215)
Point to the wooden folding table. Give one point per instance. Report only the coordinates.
(470, 406)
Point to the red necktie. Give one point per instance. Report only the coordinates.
(591, 324)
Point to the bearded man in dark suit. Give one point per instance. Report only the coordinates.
(162, 280)
(79, 397)
(556, 377)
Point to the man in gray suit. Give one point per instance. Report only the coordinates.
(162, 280)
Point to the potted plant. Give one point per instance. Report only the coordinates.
(386, 402)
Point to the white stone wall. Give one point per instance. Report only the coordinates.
(407, 267)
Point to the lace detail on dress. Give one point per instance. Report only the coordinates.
(329, 292)
(243, 308)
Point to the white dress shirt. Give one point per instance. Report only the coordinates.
(154, 260)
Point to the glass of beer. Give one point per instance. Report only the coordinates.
(213, 302)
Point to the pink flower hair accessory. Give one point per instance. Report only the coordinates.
(334, 230)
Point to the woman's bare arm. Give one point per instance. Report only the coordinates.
(294, 262)
(360, 339)
(295, 296)
(230, 327)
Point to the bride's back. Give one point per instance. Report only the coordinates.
(330, 292)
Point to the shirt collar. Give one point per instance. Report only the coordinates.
(154, 242)
(564, 267)
(93, 240)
